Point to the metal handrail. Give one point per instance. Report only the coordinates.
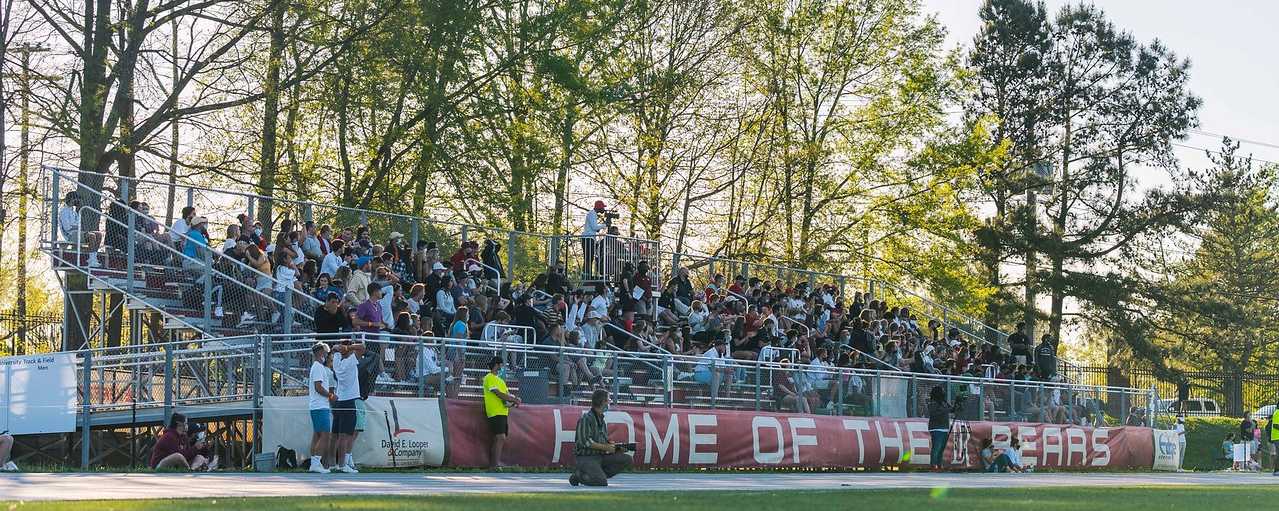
(212, 270)
(102, 197)
(641, 340)
(531, 338)
(739, 296)
(794, 321)
(872, 357)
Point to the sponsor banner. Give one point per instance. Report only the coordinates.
(38, 394)
(542, 436)
(397, 433)
(1167, 450)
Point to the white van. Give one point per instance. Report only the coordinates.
(1193, 407)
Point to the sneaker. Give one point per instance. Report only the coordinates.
(93, 260)
(347, 469)
(572, 480)
(319, 468)
(213, 464)
(12, 467)
(246, 319)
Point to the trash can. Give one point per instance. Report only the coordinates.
(535, 386)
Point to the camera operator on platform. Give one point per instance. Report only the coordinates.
(589, 233)
(939, 424)
(597, 458)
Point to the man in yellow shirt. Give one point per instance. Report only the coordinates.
(497, 403)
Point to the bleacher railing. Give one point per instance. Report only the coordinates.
(245, 368)
(229, 289)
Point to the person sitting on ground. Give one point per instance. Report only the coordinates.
(6, 449)
(597, 459)
(997, 460)
(174, 450)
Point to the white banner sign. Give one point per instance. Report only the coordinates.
(38, 394)
(398, 432)
(1167, 450)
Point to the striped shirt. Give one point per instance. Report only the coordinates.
(590, 429)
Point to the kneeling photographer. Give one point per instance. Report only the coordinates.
(597, 458)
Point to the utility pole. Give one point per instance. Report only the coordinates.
(19, 342)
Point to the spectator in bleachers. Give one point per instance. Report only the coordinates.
(70, 225)
(722, 372)
(425, 258)
(368, 316)
(490, 258)
(336, 258)
(1019, 344)
(332, 317)
(360, 278)
(464, 252)
(599, 303)
(786, 394)
(311, 247)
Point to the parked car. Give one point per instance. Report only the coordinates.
(1193, 407)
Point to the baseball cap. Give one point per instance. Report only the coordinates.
(437, 266)
(599, 204)
(363, 260)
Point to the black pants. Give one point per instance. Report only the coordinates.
(595, 470)
(588, 256)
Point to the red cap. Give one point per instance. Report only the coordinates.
(599, 204)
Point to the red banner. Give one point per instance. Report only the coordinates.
(542, 436)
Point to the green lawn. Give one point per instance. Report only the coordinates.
(1198, 498)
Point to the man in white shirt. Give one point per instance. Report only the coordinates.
(589, 232)
(69, 225)
(181, 226)
(718, 357)
(311, 245)
(333, 260)
(591, 330)
(599, 304)
(320, 395)
(347, 374)
(428, 366)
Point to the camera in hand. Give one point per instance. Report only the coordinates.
(630, 447)
(609, 216)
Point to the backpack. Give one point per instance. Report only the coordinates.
(286, 458)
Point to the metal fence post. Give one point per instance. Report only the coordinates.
(130, 256)
(757, 390)
(168, 382)
(510, 257)
(85, 408)
(288, 311)
(208, 287)
(190, 197)
(268, 375)
(617, 369)
(414, 234)
(714, 387)
(465, 233)
(53, 206)
(668, 371)
(421, 378)
(252, 204)
(838, 409)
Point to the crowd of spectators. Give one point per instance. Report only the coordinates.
(357, 284)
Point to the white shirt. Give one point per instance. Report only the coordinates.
(69, 223)
(331, 263)
(180, 227)
(298, 258)
(574, 316)
(1014, 457)
(388, 294)
(711, 354)
(599, 305)
(592, 226)
(444, 302)
(346, 370)
(323, 375)
(589, 335)
(285, 277)
(413, 305)
(428, 362)
(697, 321)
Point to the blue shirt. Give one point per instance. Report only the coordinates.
(195, 240)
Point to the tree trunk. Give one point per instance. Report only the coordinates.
(269, 163)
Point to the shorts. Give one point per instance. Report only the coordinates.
(360, 412)
(344, 417)
(497, 425)
(702, 375)
(322, 420)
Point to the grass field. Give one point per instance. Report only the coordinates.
(1161, 498)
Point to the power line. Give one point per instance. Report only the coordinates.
(1186, 146)
(1236, 139)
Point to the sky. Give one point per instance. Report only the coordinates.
(1231, 45)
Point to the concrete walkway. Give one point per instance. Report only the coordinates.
(25, 486)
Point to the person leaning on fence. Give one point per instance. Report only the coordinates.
(590, 231)
(597, 459)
